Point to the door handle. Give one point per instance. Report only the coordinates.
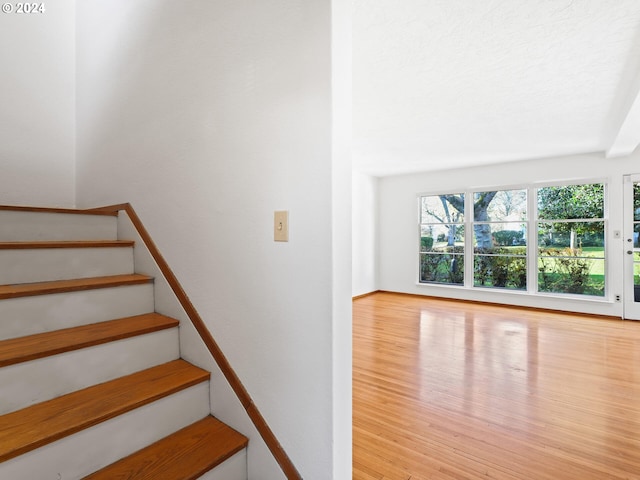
(629, 252)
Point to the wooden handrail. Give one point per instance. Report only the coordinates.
(287, 466)
(18, 208)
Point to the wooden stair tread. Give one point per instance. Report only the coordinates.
(66, 244)
(62, 286)
(184, 455)
(32, 427)
(41, 345)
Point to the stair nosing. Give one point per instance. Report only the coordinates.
(61, 244)
(73, 285)
(41, 345)
(51, 420)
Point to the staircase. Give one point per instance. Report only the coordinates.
(91, 380)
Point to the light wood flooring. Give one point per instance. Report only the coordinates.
(449, 390)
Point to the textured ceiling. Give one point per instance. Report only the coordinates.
(451, 83)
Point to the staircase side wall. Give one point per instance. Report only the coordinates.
(224, 404)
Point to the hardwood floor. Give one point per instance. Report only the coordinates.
(448, 390)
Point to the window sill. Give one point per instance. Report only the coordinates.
(521, 293)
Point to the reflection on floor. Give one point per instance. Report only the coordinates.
(451, 390)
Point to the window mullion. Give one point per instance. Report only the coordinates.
(468, 239)
(532, 240)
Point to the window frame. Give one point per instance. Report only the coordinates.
(605, 220)
(420, 253)
(474, 222)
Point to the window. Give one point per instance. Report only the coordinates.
(548, 239)
(442, 239)
(500, 239)
(570, 228)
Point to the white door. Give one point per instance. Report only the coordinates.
(632, 247)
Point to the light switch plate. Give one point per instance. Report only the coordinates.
(281, 226)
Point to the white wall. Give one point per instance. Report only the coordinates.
(37, 98)
(341, 135)
(399, 223)
(207, 117)
(365, 234)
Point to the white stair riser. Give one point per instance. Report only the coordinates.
(38, 380)
(39, 226)
(76, 456)
(47, 264)
(234, 468)
(43, 313)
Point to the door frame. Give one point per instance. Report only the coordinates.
(631, 307)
